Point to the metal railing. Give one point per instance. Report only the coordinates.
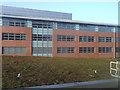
(115, 69)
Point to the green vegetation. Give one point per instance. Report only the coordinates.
(36, 71)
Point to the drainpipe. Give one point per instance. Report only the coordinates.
(114, 43)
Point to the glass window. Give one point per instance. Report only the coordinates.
(40, 37)
(67, 26)
(13, 50)
(23, 24)
(14, 22)
(5, 36)
(108, 39)
(86, 38)
(118, 49)
(42, 24)
(17, 37)
(105, 28)
(102, 39)
(85, 27)
(42, 50)
(17, 24)
(65, 38)
(86, 50)
(105, 39)
(118, 39)
(65, 50)
(13, 36)
(23, 36)
(105, 49)
(11, 23)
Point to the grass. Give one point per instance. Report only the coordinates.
(38, 71)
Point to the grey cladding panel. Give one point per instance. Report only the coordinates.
(6, 10)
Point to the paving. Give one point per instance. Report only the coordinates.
(111, 83)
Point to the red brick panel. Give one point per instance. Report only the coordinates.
(78, 44)
(17, 43)
(118, 44)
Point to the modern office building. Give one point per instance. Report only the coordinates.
(31, 32)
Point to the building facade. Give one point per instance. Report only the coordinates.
(30, 32)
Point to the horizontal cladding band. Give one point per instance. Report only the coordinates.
(56, 20)
(42, 26)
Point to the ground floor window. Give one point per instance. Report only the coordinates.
(86, 49)
(42, 50)
(105, 49)
(13, 50)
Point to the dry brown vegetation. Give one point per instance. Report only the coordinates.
(38, 71)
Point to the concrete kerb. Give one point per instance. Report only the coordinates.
(74, 84)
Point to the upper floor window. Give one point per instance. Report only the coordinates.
(118, 39)
(13, 36)
(65, 38)
(105, 28)
(105, 39)
(85, 27)
(67, 26)
(14, 22)
(40, 37)
(86, 38)
(117, 49)
(40, 24)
